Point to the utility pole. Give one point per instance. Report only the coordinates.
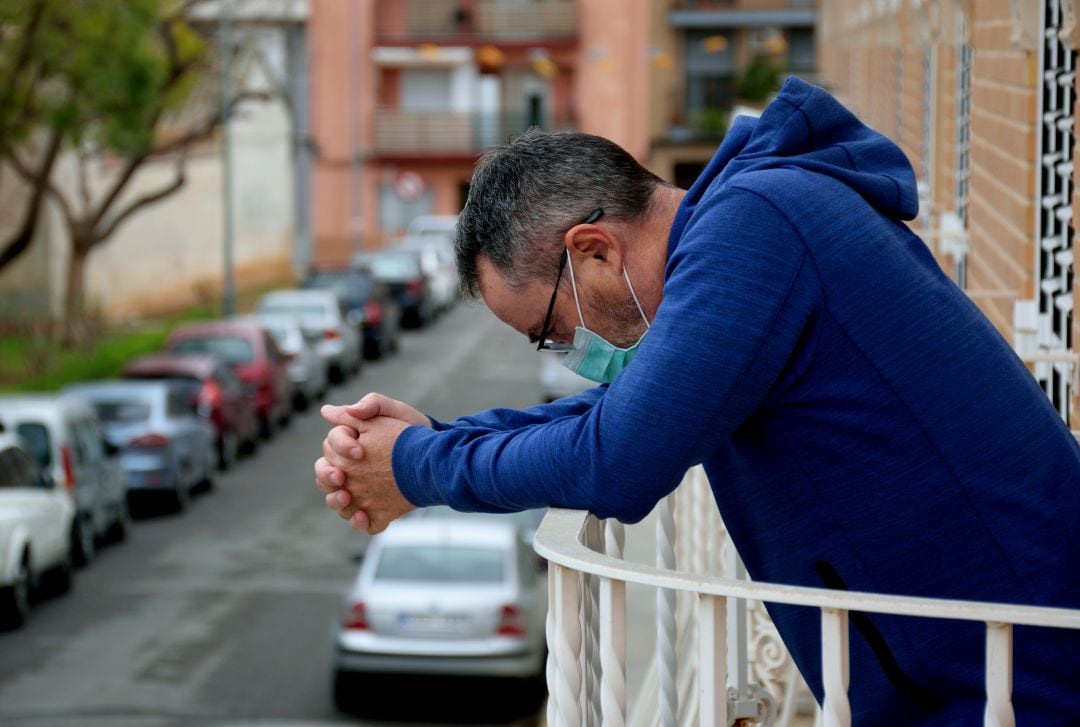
(225, 41)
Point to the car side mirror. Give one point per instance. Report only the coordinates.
(45, 479)
(111, 450)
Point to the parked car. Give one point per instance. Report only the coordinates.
(322, 315)
(438, 263)
(36, 516)
(367, 303)
(63, 435)
(557, 381)
(165, 445)
(255, 358)
(401, 272)
(307, 369)
(527, 522)
(443, 597)
(434, 227)
(222, 398)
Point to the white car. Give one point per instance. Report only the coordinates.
(307, 370)
(452, 597)
(433, 227)
(64, 435)
(324, 320)
(35, 529)
(439, 267)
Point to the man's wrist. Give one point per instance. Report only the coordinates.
(407, 460)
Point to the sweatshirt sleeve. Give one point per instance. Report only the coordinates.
(503, 419)
(739, 293)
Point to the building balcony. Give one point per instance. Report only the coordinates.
(400, 133)
(717, 659)
(719, 14)
(467, 22)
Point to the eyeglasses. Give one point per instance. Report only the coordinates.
(545, 344)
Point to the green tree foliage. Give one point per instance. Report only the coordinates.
(760, 80)
(101, 79)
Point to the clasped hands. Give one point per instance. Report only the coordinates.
(355, 470)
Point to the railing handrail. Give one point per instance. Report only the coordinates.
(560, 539)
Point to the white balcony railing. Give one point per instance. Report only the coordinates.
(717, 659)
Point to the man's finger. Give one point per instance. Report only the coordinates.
(339, 416)
(338, 500)
(360, 521)
(343, 441)
(342, 462)
(328, 478)
(370, 406)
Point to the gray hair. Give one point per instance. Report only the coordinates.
(525, 195)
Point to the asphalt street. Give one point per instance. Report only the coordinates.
(222, 615)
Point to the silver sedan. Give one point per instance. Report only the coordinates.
(459, 597)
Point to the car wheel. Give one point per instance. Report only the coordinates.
(180, 498)
(228, 449)
(120, 527)
(58, 581)
(268, 426)
(15, 599)
(82, 542)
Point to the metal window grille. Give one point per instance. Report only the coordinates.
(1054, 193)
(963, 146)
(926, 173)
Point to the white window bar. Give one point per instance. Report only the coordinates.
(1054, 191)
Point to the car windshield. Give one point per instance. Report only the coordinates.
(345, 286)
(440, 564)
(122, 411)
(35, 437)
(230, 350)
(298, 308)
(393, 267)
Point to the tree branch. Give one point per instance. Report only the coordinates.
(147, 199)
(19, 243)
(41, 178)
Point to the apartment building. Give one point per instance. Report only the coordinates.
(981, 96)
(705, 55)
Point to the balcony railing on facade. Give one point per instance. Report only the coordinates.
(400, 132)
(718, 660)
(476, 21)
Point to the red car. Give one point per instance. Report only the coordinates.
(255, 357)
(221, 398)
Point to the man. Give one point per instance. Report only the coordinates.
(862, 424)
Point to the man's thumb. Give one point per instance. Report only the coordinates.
(370, 406)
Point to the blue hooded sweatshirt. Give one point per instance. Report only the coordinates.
(863, 425)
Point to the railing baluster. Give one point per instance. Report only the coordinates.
(613, 634)
(567, 651)
(835, 667)
(592, 655)
(667, 699)
(999, 709)
(551, 633)
(712, 661)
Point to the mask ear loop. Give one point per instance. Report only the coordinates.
(573, 285)
(634, 296)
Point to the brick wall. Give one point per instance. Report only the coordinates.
(872, 56)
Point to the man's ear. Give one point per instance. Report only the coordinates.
(589, 243)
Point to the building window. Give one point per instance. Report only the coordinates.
(963, 148)
(802, 58)
(710, 73)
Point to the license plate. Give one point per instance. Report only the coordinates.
(431, 624)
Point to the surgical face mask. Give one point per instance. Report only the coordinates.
(593, 356)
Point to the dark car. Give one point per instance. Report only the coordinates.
(255, 357)
(401, 272)
(367, 302)
(221, 397)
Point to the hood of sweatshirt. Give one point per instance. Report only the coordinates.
(806, 128)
